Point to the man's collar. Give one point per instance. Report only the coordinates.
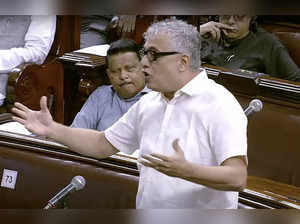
(145, 90)
(196, 85)
(142, 92)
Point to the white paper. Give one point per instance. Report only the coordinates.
(134, 155)
(99, 50)
(14, 127)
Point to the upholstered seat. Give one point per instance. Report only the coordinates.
(292, 41)
(289, 34)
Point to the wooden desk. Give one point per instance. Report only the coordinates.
(273, 142)
(45, 167)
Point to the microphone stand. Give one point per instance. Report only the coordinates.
(61, 204)
(61, 199)
(64, 203)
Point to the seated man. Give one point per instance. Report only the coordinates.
(23, 39)
(94, 30)
(235, 42)
(104, 29)
(108, 103)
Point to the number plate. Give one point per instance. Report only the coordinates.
(9, 178)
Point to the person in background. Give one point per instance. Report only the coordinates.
(104, 29)
(108, 103)
(189, 156)
(236, 42)
(23, 39)
(94, 30)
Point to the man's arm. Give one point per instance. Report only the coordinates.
(87, 142)
(84, 141)
(38, 41)
(231, 175)
(281, 65)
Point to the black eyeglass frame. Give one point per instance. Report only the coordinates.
(154, 55)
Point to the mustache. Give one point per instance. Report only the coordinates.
(124, 83)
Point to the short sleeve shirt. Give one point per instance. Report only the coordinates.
(211, 127)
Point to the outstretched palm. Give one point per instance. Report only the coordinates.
(35, 121)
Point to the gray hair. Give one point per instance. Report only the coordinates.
(185, 38)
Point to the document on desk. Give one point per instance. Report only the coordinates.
(14, 127)
(99, 50)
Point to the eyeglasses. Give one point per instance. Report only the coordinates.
(235, 17)
(154, 55)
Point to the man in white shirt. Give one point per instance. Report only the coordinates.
(23, 39)
(191, 132)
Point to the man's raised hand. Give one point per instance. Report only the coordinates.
(213, 29)
(37, 122)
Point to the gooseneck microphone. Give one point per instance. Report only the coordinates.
(254, 106)
(77, 183)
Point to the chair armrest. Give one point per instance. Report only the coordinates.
(13, 77)
(29, 82)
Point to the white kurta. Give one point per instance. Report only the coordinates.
(37, 44)
(38, 41)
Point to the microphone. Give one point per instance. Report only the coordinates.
(77, 183)
(254, 106)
